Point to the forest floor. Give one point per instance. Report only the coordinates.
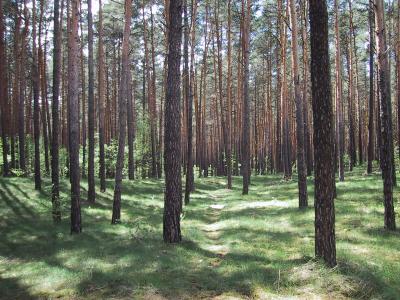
(259, 246)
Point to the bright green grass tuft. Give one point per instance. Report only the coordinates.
(234, 247)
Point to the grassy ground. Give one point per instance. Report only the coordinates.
(258, 246)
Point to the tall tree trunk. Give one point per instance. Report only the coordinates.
(55, 194)
(246, 99)
(102, 100)
(189, 82)
(386, 130)
(43, 89)
(36, 108)
(73, 117)
(371, 88)
(325, 245)
(229, 101)
(172, 149)
(91, 196)
(3, 93)
(301, 163)
(339, 107)
(124, 90)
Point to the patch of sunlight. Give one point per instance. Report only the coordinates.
(262, 204)
(214, 226)
(217, 206)
(218, 249)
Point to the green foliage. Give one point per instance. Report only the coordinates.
(110, 157)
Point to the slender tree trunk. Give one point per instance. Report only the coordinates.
(172, 149)
(301, 163)
(246, 99)
(386, 131)
(229, 101)
(55, 194)
(73, 117)
(371, 88)
(325, 245)
(101, 101)
(124, 90)
(3, 93)
(131, 135)
(91, 196)
(339, 107)
(189, 186)
(36, 108)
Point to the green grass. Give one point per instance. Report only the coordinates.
(257, 246)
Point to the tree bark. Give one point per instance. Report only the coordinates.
(325, 245)
(172, 149)
(246, 99)
(371, 88)
(101, 100)
(3, 93)
(36, 108)
(124, 90)
(386, 130)
(339, 107)
(73, 117)
(301, 163)
(55, 193)
(91, 196)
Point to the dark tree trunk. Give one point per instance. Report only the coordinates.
(55, 194)
(386, 130)
(91, 185)
(73, 117)
(124, 90)
(172, 140)
(325, 245)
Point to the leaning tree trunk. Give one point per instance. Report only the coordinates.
(325, 245)
(124, 90)
(386, 130)
(172, 133)
(73, 117)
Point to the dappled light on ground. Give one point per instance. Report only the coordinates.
(258, 246)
